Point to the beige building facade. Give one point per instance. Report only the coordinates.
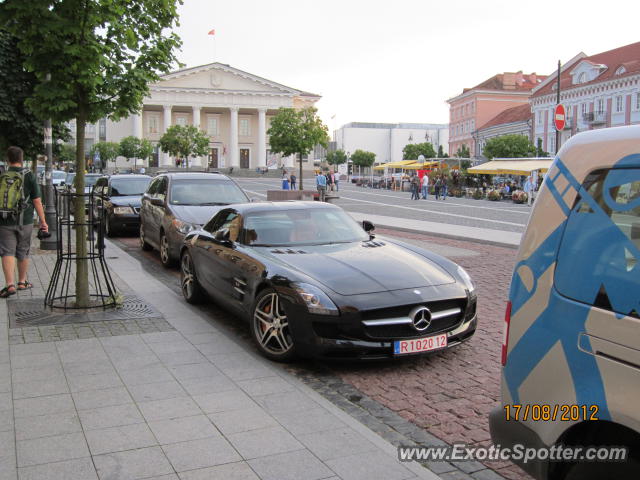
(234, 108)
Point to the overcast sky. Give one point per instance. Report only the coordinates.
(399, 60)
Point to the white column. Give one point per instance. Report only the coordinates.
(165, 159)
(137, 125)
(197, 161)
(262, 137)
(234, 160)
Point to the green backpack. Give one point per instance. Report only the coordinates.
(12, 201)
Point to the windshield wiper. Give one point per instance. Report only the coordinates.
(213, 203)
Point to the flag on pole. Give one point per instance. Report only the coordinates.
(212, 32)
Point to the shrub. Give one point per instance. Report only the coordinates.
(494, 195)
(477, 194)
(456, 192)
(519, 196)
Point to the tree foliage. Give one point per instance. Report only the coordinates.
(336, 158)
(297, 131)
(441, 153)
(108, 152)
(100, 56)
(66, 153)
(463, 152)
(129, 147)
(184, 141)
(363, 158)
(145, 149)
(412, 151)
(509, 146)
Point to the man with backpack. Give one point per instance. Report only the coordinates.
(19, 194)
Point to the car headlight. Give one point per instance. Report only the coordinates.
(466, 279)
(123, 210)
(183, 227)
(315, 299)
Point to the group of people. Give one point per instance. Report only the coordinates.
(326, 182)
(420, 186)
(288, 181)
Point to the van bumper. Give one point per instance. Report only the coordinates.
(507, 433)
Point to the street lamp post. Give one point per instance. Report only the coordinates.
(348, 169)
(51, 242)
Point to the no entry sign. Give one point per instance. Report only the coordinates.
(560, 117)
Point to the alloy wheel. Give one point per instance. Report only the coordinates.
(186, 269)
(271, 327)
(164, 249)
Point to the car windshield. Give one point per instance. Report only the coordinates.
(206, 192)
(313, 226)
(70, 177)
(90, 180)
(129, 186)
(59, 175)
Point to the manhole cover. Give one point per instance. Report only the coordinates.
(33, 313)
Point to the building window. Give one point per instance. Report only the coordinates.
(212, 125)
(600, 105)
(539, 115)
(582, 78)
(181, 120)
(584, 108)
(637, 101)
(619, 105)
(621, 70)
(244, 127)
(153, 124)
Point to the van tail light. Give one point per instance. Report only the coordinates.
(505, 338)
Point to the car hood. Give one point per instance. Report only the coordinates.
(196, 214)
(365, 267)
(126, 200)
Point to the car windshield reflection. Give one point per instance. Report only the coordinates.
(206, 192)
(315, 226)
(134, 186)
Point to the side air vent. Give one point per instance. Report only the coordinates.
(288, 251)
(373, 244)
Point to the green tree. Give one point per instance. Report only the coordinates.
(539, 151)
(465, 164)
(182, 141)
(129, 148)
(336, 158)
(146, 149)
(108, 152)
(297, 132)
(509, 146)
(18, 124)
(67, 153)
(412, 151)
(463, 152)
(100, 56)
(362, 158)
(440, 152)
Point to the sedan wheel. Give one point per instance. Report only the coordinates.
(165, 258)
(143, 244)
(191, 289)
(270, 327)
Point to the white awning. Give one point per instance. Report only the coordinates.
(510, 166)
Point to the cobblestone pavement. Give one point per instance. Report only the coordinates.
(421, 400)
(503, 215)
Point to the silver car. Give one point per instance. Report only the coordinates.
(176, 203)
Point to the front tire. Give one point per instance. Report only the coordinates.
(270, 327)
(165, 256)
(191, 289)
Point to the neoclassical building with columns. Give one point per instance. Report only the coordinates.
(234, 108)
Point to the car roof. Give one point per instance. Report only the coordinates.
(130, 175)
(193, 175)
(276, 206)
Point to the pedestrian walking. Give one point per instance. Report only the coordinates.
(285, 180)
(321, 184)
(443, 187)
(425, 186)
(330, 181)
(528, 189)
(293, 179)
(336, 181)
(436, 186)
(414, 187)
(19, 195)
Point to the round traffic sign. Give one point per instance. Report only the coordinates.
(560, 117)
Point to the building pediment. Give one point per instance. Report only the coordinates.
(220, 77)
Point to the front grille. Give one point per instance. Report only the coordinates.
(136, 209)
(406, 330)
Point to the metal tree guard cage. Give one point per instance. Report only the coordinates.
(61, 292)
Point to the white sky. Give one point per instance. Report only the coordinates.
(397, 60)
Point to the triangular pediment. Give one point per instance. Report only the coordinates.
(217, 76)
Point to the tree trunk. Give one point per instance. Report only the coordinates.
(300, 180)
(82, 267)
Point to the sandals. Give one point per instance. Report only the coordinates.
(8, 291)
(26, 285)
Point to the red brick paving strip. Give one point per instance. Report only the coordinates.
(450, 394)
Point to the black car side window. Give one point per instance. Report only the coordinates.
(153, 186)
(162, 189)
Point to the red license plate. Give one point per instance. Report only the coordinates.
(425, 344)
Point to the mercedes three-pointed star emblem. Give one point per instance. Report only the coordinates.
(420, 318)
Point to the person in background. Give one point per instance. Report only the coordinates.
(330, 181)
(443, 187)
(414, 187)
(285, 180)
(321, 184)
(528, 189)
(425, 186)
(436, 186)
(293, 179)
(336, 180)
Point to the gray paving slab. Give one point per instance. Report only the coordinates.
(246, 419)
(40, 388)
(195, 370)
(203, 453)
(46, 425)
(182, 429)
(149, 374)
(369, 466)
(116, 439)
(336, 443)
(266, 386)
(184, 357)
(264, 442)
(51, 449)
(108, 397)
(148, 392)
(224, 401)
(8, 469)
(79, 469)
(113, 416)
(29, 407)
(289, 402)
(32, 374)
(298, 465)
(230, 471)
(132, 464)
(206, 385)
(99, 381)
(170, 408)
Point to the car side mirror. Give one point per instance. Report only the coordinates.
(368, 226)
(222, 236)
(158, 202)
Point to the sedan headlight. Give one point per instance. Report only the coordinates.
(183, 227)
(466, 279)
(315, 299)
(123, 210)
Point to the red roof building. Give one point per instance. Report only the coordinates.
(513, 121)
(598, 91)
(478, 105)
